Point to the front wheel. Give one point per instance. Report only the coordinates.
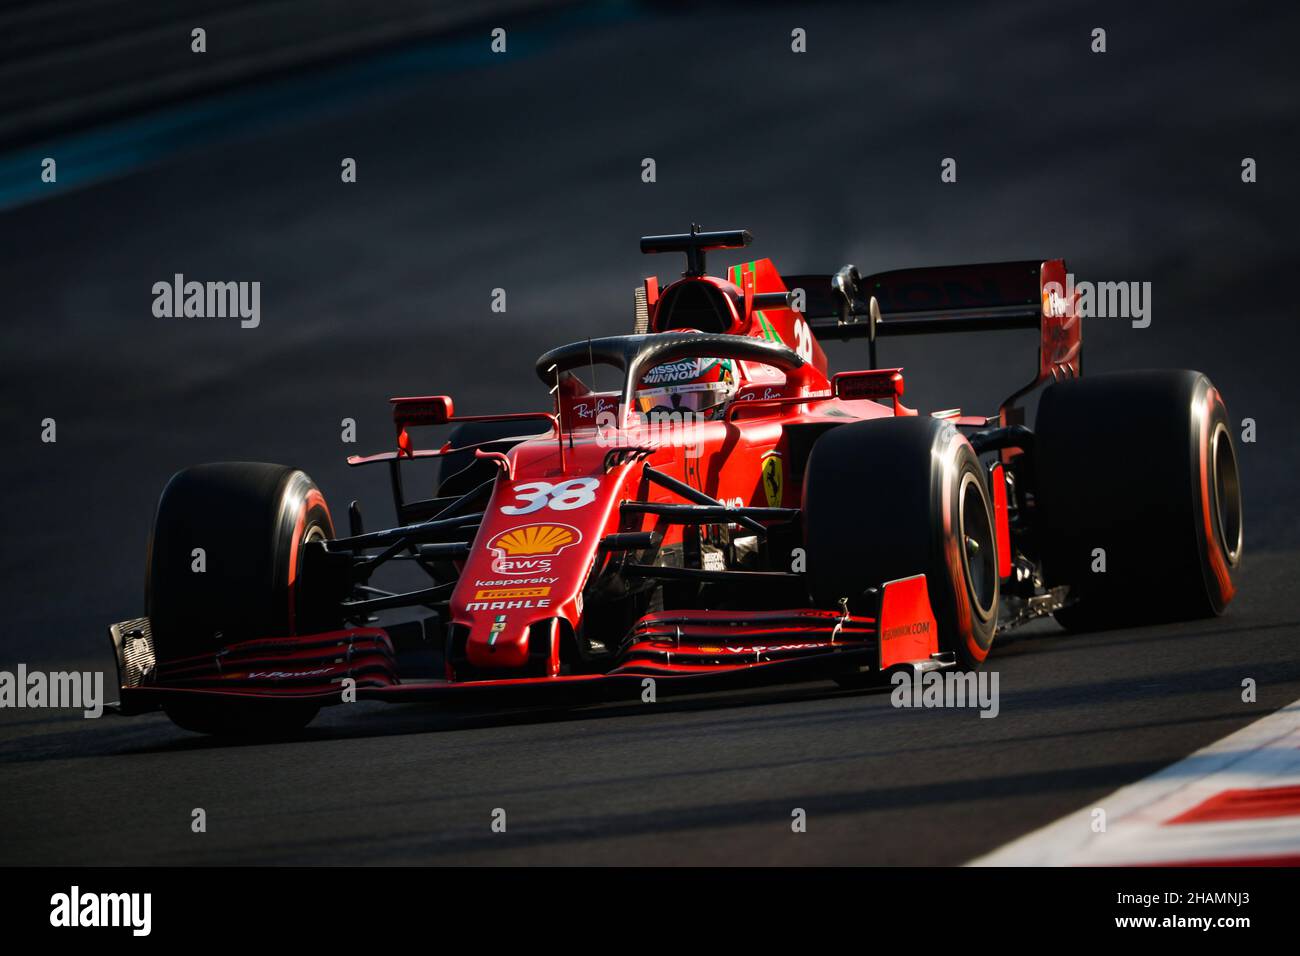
(225, 565)
(890, 498)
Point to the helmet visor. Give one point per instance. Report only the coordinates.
(689, 385)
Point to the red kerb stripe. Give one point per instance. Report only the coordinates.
(1244, 805)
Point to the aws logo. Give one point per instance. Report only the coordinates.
(530, 549)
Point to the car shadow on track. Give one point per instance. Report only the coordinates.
(391, 720)
(1036, 693)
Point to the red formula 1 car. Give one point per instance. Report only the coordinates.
(729, 512)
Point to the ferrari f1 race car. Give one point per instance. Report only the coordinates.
(730, 512)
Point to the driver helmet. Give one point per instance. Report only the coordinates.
(699, 385)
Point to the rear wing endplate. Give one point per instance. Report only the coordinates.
(968, 298)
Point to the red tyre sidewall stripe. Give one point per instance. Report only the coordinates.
(952, 557)
(1214, 550)
(309, 501)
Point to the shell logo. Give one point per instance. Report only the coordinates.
(535, 539)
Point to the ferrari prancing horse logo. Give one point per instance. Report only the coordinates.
(773, 479)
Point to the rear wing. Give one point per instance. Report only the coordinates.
(967, 298)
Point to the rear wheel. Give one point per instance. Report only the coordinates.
(1139, 503)
(891, 498)
(225, 563)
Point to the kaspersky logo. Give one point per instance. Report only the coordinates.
(530, 549)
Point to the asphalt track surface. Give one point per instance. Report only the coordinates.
(523, 173)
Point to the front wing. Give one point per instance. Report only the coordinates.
(687, 651)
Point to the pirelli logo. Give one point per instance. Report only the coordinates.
(501, 594)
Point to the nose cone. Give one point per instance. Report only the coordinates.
(523, 574)
(534, 551)
(502, 644)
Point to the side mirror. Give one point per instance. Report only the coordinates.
(423, 410)
(845, 284)
(881, 385)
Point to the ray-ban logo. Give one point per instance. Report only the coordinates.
(180, 299)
